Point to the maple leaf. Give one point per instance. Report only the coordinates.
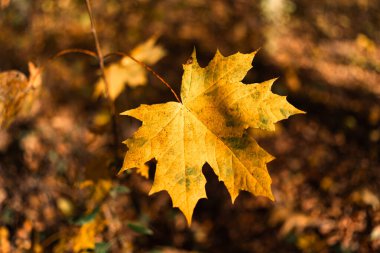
(126, 71)
(17, 93)
(210, 125)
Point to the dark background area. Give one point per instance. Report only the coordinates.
(326, 176)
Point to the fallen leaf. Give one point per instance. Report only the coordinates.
(128, 72)
(92, 223)
(210, 125)
(298, 222)
(311, 242)
(375, 234)
(5, 245)
(17, 94)
(83, 239)
(366, 197)
(12, 86)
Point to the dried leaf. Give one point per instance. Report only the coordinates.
(83, 239)
(12, 85)
(126, 71)
(208, 126)
(17, 94)
(86, 237)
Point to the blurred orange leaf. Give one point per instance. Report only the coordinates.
(5, 246)
(92, 223)
(128, 72)
(4, 3)
(17, 94)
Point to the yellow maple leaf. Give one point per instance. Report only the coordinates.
(210, 125)
(126, 71)
(17, 93)
(86, 237)
(80, 239)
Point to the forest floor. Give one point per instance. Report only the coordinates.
(58, 177)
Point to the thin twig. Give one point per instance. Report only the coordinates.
(57, 55)
(149, 69)
(74, 50)
(40, 69)
(111, 104)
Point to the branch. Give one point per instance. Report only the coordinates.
(111, 104)
(149, 69)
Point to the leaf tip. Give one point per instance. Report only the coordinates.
(133, 112)
(271, 81)
(32, 67)
(124, 113)
(194, 53)
(153, 190)
(300, 111)
(270, 158)
(233, 198)
(121, 171)
(193, 58)
(253, 54)
(218, 55)
(188, 216)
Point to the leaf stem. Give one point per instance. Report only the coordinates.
(111, 104)
(149, 69)
(74, 50)
(57, 55)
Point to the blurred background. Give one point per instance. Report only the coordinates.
(58, 186)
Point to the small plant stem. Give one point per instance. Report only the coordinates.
(73, 51)
(111, 104)
(150, 70)
(40, 69)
